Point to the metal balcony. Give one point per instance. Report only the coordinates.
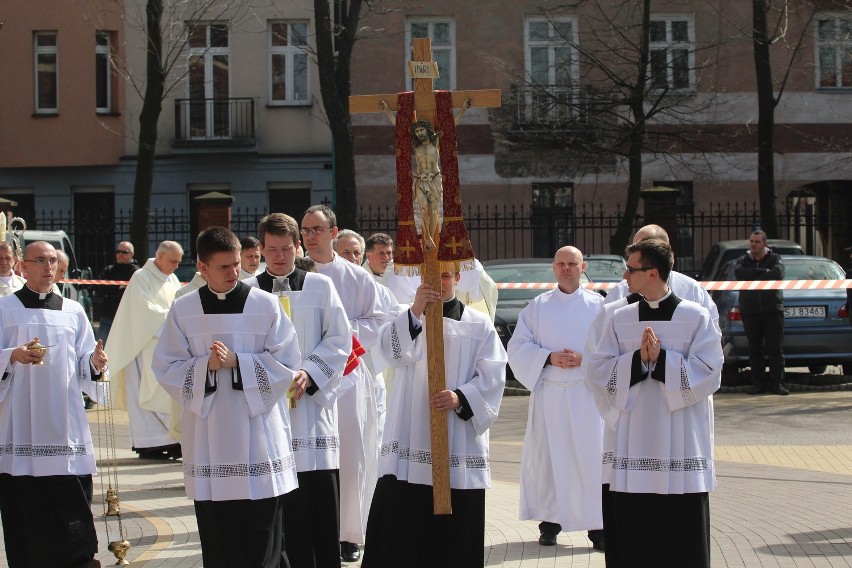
(214, 123)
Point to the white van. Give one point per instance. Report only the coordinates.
(60, 241)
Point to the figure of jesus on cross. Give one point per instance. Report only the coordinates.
(425, 130)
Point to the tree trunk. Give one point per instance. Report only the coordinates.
(151, 107)
(766, 103)
(335, 88)
(620, 239)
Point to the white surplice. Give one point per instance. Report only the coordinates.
(236, 444)
(663, 439)
(134, 335)
(475, 364)
(43, 426)
(683, 287)
(325, 341)
(11, 284)
(561, 459)
(357, 406)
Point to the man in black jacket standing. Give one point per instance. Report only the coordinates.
(122, 270)
(763, 315)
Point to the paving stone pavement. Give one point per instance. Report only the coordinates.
(784, 466)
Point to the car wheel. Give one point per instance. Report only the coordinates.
(817, 369)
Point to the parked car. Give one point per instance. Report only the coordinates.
(605, 268)
(60, 241)
(511, 302)
(723, 251)
(816, 330)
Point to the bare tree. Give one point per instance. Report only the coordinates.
(770, 26)
(164, 25)
(622, 104)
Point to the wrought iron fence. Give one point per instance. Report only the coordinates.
(496, 230)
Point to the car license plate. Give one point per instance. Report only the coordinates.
(805, 312)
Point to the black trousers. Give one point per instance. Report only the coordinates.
(242, 533)
(609, 527)
(47, 521)
(765, 333)
(312, 520)
(654, 531)
(403, 531)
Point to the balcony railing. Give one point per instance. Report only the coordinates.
(214, 121)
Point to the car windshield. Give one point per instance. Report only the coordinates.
(605, 269)
(523, 273)
(811, 269)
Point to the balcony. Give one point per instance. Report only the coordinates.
(215, 125)
(547, 115)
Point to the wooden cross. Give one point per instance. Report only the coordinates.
(423, 70)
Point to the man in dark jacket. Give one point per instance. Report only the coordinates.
(763, 315)
(849, 290)
(122, 270)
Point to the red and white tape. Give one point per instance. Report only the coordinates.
(710, 286)
(721, 285)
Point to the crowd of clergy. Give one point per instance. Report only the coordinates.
(297, 398)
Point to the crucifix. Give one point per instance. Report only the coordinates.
(424, 124)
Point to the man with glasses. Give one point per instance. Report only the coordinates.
(311, 512)
(357, 407)
(47, 465)
(138, 323)
(9, 281)
(121, 271)
(654, 368)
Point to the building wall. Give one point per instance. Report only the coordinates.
(76, 135)
(813, 134)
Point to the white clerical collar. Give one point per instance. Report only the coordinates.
(7, 280)
(41, 295)
(280, 278)
(654, 304)
(223, 295)
(566, 295)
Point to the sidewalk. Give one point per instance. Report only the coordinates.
(785, 489)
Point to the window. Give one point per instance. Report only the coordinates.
(209, 80)
(103, 76)
(288, 63)
(552, 71)
(672, 65)
(442, 32)
(46, 73)
(834, 52)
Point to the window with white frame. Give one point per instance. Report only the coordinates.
(288, 63)
(672, 53)
(46, 55)
(442, 32)
(209, 83)
(834, 51)
(550, 60)
(103, 76)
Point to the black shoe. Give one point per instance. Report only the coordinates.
(597, 538)
(349, 552)
(758, 388)
(778, 388)
(88, 403)
(547, 539)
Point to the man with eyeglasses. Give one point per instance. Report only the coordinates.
(9, 281)
(121, 271)
(133, 337)
(357, 407)
(311, 512)
(47, 465)
(654, 367)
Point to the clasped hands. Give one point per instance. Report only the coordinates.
(650, 348)
(566, 359)
(221, 357)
